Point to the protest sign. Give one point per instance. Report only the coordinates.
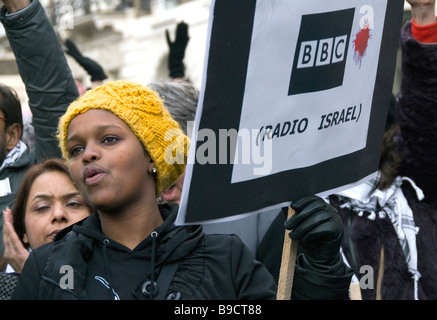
(293, 102)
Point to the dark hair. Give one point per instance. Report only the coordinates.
(11, 106)
(390, 159)
(19, 211)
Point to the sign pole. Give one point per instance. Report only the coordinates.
(286, 273)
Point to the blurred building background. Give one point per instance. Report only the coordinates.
(127, 37)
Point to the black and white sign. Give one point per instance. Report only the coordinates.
(293, 102)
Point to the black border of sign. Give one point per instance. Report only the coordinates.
(211, 195)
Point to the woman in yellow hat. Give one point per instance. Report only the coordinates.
(123, 150)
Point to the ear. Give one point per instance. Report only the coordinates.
(25, 239)
(170, 194)
(173, 194)
(150, 165)
(13, 134)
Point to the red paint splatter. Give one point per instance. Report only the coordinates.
(360, 44)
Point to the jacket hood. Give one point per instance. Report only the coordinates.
(75, 246)
(172, 242)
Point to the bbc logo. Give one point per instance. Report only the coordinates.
(321, 52)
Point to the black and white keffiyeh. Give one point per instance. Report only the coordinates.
(390, 202)
(14, 155)
(10, 159)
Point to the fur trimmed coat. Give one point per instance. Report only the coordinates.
(365, 234)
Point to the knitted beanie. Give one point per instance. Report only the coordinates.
(143, 111)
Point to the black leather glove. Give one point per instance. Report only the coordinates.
(177, 50)
(92, 67)
(318, 228)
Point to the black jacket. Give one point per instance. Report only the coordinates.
(49, 85)
(217, 267)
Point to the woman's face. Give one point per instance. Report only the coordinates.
(108, 162)
(53, 204)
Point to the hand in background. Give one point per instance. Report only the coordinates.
(93, 68)
(177, 51)
(15, 254)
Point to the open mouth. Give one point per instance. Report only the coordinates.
(53, 234)
(93, 175)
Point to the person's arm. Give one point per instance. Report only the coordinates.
(43, 68)
(94, 69)
(320, 272)
(252, 281)
(417, 103)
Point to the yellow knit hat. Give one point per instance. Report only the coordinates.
(143, 111)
